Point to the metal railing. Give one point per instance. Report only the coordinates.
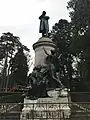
(48, 111)
(45, 111)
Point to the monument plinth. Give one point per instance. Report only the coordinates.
(40, 55)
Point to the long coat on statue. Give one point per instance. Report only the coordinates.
(44, 26)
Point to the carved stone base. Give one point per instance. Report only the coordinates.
(41, 108)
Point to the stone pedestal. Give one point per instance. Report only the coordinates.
(50, 107)
(43, 43)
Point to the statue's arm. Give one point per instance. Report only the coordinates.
(59, 56)
(57, 80)
(40, 17)
(45, 51)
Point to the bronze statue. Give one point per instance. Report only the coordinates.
(44, 78)
(37, 83)
(52, 60)
(44, 26)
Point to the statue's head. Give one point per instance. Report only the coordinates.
(44, 13)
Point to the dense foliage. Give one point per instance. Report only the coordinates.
(19, 68)
(9, 44)
(80, 19)
(61, 35)
(73, 46)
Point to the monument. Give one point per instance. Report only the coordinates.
(44, 82)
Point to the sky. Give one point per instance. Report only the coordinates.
(20, 17)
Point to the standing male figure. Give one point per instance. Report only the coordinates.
(44, 26)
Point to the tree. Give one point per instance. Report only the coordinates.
(19, 68)
(62, 35)
(80, 19)
(80, 15)
(8, 45)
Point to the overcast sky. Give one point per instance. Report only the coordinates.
(20, 17)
